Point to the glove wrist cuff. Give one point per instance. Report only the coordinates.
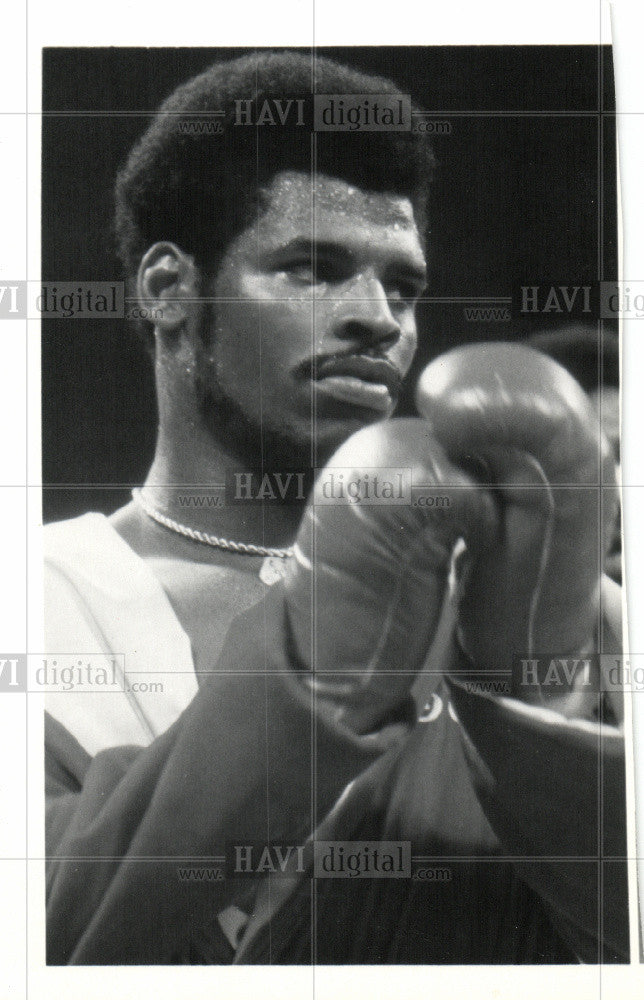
(534, 678)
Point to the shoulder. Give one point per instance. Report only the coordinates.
(67, 541)
(101, 599)
(87, 567)
(86, 554)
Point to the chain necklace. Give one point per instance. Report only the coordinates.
(241, 548)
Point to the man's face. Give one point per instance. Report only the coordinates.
(314, 326)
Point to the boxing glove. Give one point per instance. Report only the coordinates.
(366, 583)
(524, 428)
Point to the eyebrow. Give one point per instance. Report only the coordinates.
(331, 248)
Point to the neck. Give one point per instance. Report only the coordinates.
(187, 482)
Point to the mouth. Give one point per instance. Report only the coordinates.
(358, 380)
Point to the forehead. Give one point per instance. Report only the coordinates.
(296, 205)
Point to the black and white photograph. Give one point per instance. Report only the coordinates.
(329, 673)
(335, 509)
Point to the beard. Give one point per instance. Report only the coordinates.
(251, 443)
(255, 444)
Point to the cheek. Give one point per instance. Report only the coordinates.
(260, 343)
(237, 342)
(282, 331)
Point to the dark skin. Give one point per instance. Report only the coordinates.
(328, 271)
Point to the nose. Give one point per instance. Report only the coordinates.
(366, 316)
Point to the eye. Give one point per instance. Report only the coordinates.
(315, 272)
(304, 272)
(402, 290)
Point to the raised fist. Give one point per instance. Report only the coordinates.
(367, 581)
(518, 423)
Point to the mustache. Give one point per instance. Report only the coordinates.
(371, 365)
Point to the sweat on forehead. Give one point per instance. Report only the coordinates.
(292, 195)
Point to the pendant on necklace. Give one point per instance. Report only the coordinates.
(272, 570)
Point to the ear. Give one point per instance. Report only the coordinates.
(166, 282)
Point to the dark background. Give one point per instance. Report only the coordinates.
(525, 192)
